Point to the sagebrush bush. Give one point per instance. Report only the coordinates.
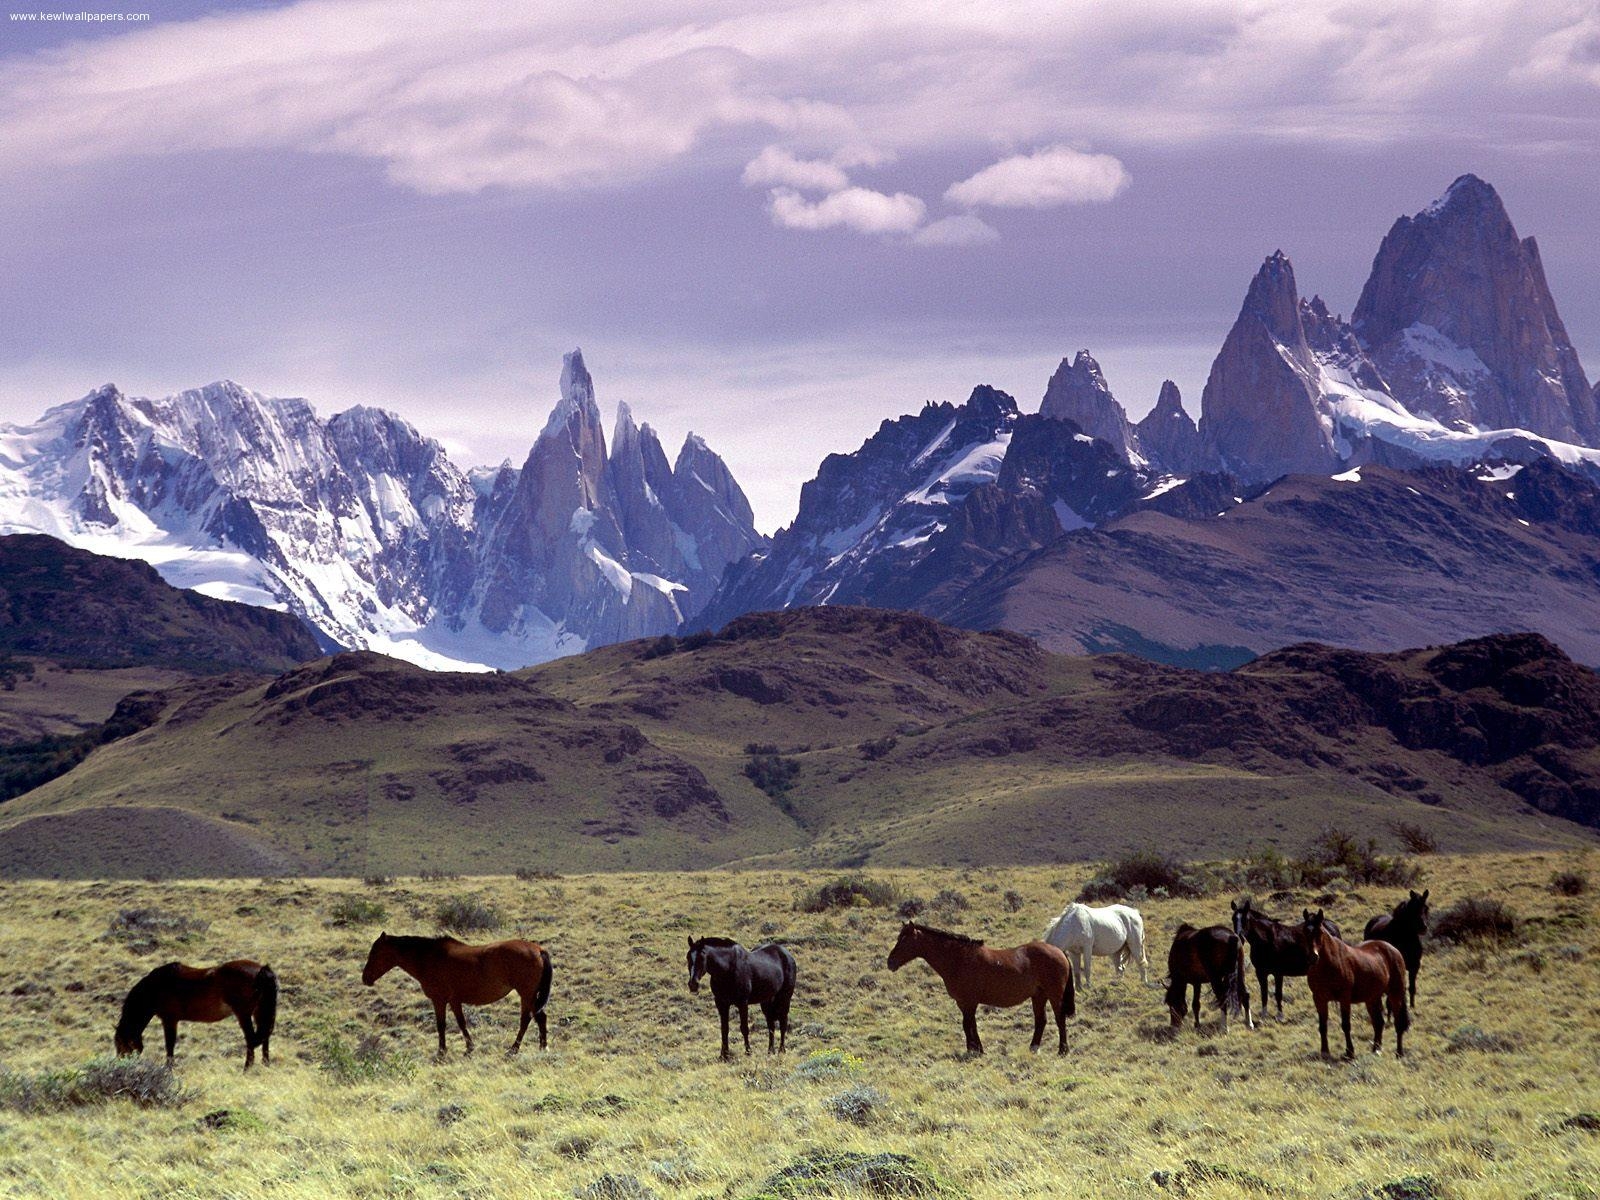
(1569, 883)
(147, 1082)
(467, 914)
(1476, 919)
(368, 1059)
(356, 910)
(1413, 838)
(858, 1105)
(144, 929)
(1338, 854)
(772, 773)
(849, 891)
(1157, 873)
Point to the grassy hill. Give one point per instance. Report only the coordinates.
(831, 737)
(1487, 1104)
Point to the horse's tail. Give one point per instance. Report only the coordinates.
(1231, 995)
(542, 997)
(266, 1003)
(1136, 948)
(1399, 1011)
(1069, 1002)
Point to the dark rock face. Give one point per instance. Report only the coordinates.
(1261, 403)
(1169, 437)
(1077, 392)
(1458, 316)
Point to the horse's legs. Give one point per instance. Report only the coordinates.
(527, 1015)
(722, 1012)
(438, 1019)
(1278, 990)
(969, 1024)
(744, 1025)
(1038, 1021)
(1261, 978)
(1059, 1003)
(1375, 1011)
(1088, 966)
(1197, 1006)
(783, 1026)
(1344, 1024)
(1322, 1024)
(461, 1021)
(768, 1012)
(249, 1038)
(169, 1028)
(1412, 972)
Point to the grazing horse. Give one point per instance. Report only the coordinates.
(1403, 929)
(764, 976)
(1366, 974)
(1275, 948)
(1213, 955)
(974, 974)
(177, 992)
(453, 973)
(1115, 932)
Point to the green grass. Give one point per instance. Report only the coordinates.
(356, 1106)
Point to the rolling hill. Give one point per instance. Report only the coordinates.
(878, 736)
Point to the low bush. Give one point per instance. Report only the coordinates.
(1470, 1037)
(849, 891)
(772, 773)
(1012, 901)
(1337, 854)
(1152, 870)
(1476, 919)
(859, 1105)
(147, 1082)
(875, 748)
(145, 929)
(1569, 883)
(467, 914)
(850, 1173)
(537, 874)
(1413, 838)
(368, 1059)
(356, 910)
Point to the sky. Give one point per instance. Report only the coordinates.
(775, 223)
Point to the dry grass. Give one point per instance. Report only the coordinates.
(631, 1085)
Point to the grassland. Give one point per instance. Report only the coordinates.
(631, 1085)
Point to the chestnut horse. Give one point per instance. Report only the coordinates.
(1213, 955)
(453, 973)
(1344, 974)
(1403, 929)
(176, 992)
(974, 974)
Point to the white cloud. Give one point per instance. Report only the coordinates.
(857, 208)
(1047, 178)
(461, 95)
(775, 165)
(964, 229)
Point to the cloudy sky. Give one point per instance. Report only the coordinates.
(775, 222)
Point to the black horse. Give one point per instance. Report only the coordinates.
(1276, 949)
(1213, 955)
(1403, 929)
(763, 976)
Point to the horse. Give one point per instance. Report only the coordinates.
(453, 973)
(1115, 932)
(1213, 955)
(974, 974)
(1275, 948)
(739, 977)
(1403, 929)
(1370, 974)
(177, 992)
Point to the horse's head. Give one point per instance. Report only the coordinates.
(1177, 1001)
(129, 1041)
(1413, 910)
(697, 963)
(381, 959)
(907, 947)
(1241, 915)
(1312, 929)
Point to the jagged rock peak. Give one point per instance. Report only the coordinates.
(577, 395)
(1274, 299)
(1078, 392)
(1169, 403)
(1168, 434)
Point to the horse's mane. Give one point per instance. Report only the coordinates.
(959, 938)
(1185, 928)
(138, 1008)
(717, 941)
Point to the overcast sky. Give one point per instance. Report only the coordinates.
(774, 223)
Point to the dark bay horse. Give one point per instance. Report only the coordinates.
(1213, 955)
(1403, 929)
(176, 992)
(974, 974)
(741, 977)
(1369, 974)
(1275, 948)
(453, 973)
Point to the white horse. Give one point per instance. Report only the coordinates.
(1115, 932)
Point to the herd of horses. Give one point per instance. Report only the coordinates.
(1375, 972)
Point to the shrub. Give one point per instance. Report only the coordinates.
(1470, 1037)
(1474, 919)
(436, 876)
(911, 908)
(356, 910)
(1149, 869)
(1269, 870)
(378, 881)
(1012, 901)
(858, 1105)
(1569, 883)
(849, 891)
(144, 929)
(947, 903)
(536, 874)
(1335, 853)
(823, 1064)
(1413, 838)
(467, 914)
(848, 1172)
(366, 1060)
(772, 773)
(147, 1082)
(875, 748)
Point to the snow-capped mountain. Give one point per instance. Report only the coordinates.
(365, 529)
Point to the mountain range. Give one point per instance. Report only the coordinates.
(1424, 471)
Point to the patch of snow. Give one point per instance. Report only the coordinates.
(1499, 474)
(927, 451)
(616, 574)
(1165, 486)
(1351, 476)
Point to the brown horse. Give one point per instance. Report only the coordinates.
(1369, 974)
(453, 973)
(1403, 929)
(974, 974)
(176, 992)
(1213, 955)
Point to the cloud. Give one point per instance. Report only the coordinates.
(776, 165)
(857, 208)
(1047, 178)
(964, 229)
(462, 95)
